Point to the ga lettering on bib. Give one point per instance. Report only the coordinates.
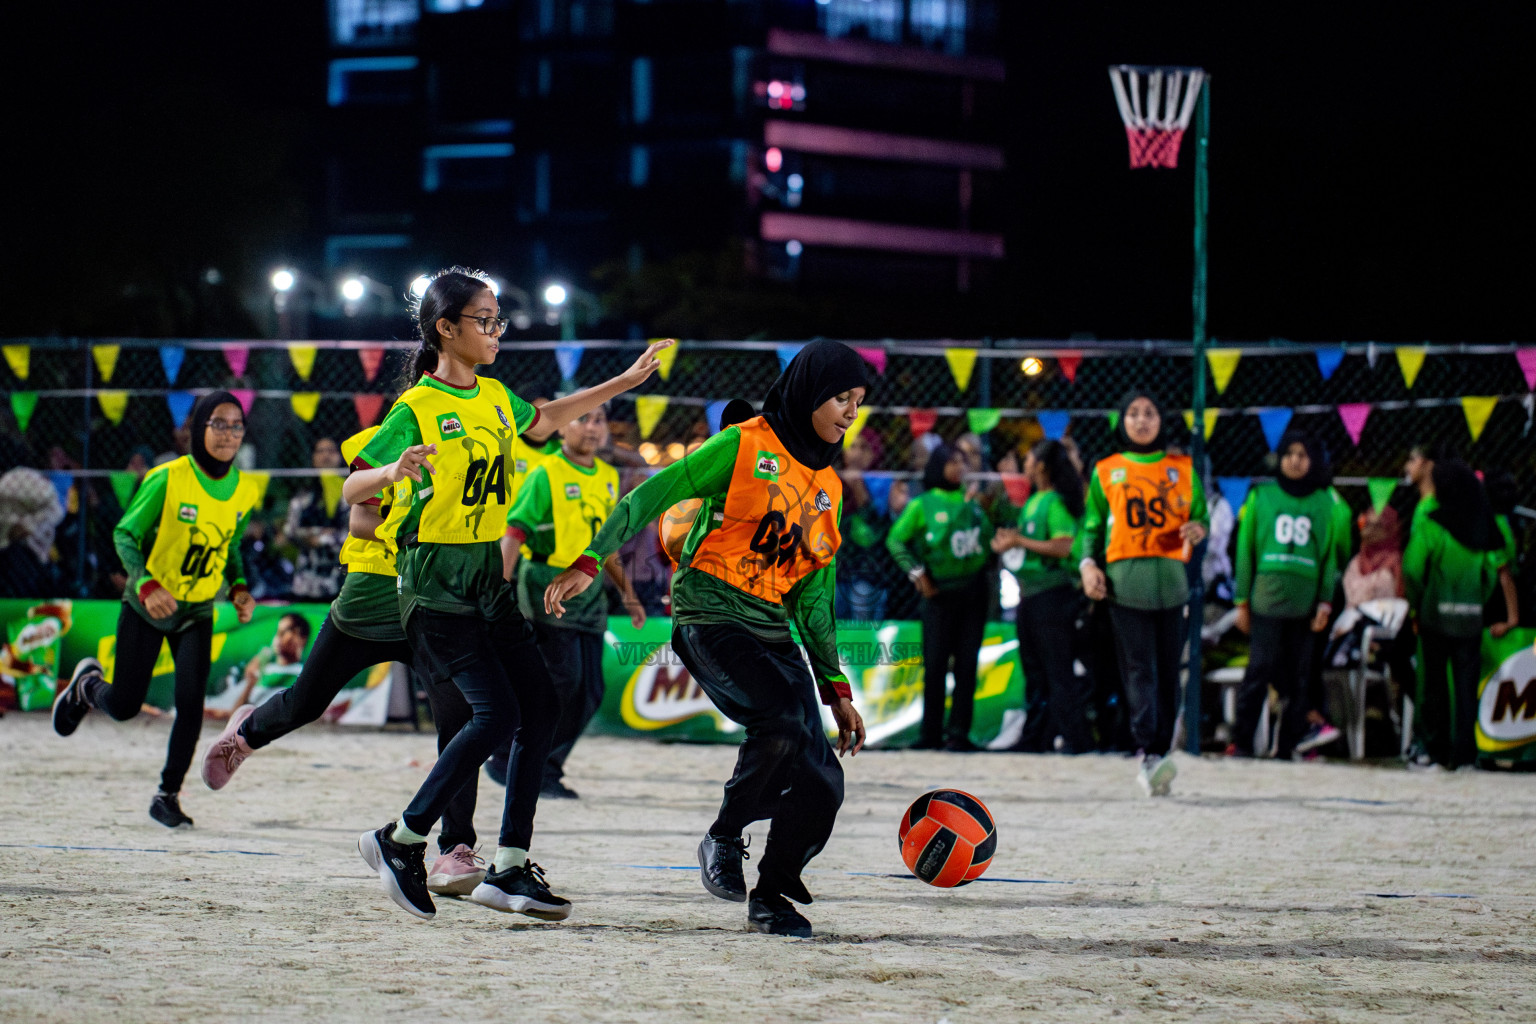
(1148, 502)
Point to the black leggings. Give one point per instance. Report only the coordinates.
(1279, 656)
(1055, 699)
(497, 668)
(138, 645)
(785, 764)
(575, 662)
(1447, 710)
(1148, 644)
(953, 623)
(333, 661)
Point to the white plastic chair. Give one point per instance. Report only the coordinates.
(1384, 619)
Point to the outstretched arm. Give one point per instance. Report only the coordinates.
(555, 415)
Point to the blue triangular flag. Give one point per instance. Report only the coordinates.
(569, 358)
(180, 403)
(170, 358)
(1053, 423)
(786, 353)
(879, 492)
(1328, 360)
(712, 412)
(62, 481)
(1274, 422)
(1234, 489)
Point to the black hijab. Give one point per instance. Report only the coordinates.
(737, 410)
(202, 412)
(1124, 440)
(1318, 475)
(818, 372)
(933, 472)
(1464, 509)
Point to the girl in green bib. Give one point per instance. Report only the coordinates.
(180, 546)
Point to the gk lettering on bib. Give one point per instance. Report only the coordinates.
(1148, 502)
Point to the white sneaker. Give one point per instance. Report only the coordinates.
(1163, 774)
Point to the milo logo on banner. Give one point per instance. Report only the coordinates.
(1506, 713)
(449, 425)
(767, 467)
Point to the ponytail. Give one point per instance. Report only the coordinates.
(1065, 479)
(448, 293)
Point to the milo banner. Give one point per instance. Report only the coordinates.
(1506, 711)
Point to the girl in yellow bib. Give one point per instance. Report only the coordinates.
(180, 546)
(449, 440)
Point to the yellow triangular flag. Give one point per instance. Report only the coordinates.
(1223, 365)
(330, 485)
(1210, 420)
(961, 362)
(113, 404)
(1477, 409)
(20, 359)
(666, 357)
(305, 404)
(260, 480)
(858, 425)
(648, 410)
(303, 357)
(106, 360)
(1410, 361)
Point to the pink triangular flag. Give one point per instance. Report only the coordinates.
(1354, 415)
(245, 396)
(921, 420)
(1069, 362)
(370, 358)
(236, 356)
(367, 407)
(874, 357)
(1527, 358)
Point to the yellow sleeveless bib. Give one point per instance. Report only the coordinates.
(357, 554)
(192, 540)
(579, 505)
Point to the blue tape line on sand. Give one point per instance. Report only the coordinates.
(864, 874)
(1421, 895)
(128, 849)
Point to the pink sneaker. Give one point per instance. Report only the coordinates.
(228, 752)
(456, 873)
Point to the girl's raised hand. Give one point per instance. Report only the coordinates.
(647, 364)
(411, 463)
(567, 585)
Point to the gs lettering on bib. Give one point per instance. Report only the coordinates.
(192, 539)
(779, 520)
(1148, 502)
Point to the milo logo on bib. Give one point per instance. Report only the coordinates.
(187, 513)
(767, 467)
(449, 425)
(573, 491)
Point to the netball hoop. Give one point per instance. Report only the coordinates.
(1156, 105)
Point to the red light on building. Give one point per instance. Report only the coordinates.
(773, 159)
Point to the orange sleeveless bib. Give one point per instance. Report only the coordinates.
(1148, 502)
(780, 520)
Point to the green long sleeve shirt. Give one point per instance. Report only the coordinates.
(699, 598)
(1287, 552)
(943, 532)
(1447, 584)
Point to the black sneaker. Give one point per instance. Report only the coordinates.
(720, 860)
(521, 890)
(166, 809)
(554, 789)
(772, 914)
(402, 868)
(70, 706)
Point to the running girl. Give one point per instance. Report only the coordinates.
(760, 553)
(180, 545)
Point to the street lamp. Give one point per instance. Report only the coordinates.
(556, 296)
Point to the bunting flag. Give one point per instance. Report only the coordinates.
(786, 354)
(303, 359)
(648, 411)
(367, 407)
(372, 359)
(124, 483)
(874, 357)
(261, 480)
(1527, 360)
(1274, 422)
(106, 360)
(1210, 421)
(569, 358)
(857, 427)
(1069, 362)
(713, 412)
(305, 404)
(22, 405)
(62, 482)
(1234, 489)
(1053, 423)
(330, 486)
(245, 396)
(879, 488)
(113, 405)
(1478, 409)
(1114, 421)
(171, 358)
(1223, 363)
(1328, 360)
(19, 358)
(1381, 488)
(920, 421)
(665, 358)
(1017, 486)
(236, 356)
(1354, 415)
(180, 404)
(962, 362)
(981, 420)
(1410, 361)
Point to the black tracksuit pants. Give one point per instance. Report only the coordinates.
(786, 770)
(1148, 645)
(575, 662)
(1447, 710)
(1055, 699)
(953, 624)
(1279, 656)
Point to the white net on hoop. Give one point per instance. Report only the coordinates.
(1155, 104)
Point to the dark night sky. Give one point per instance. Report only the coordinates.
(1368, 172)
